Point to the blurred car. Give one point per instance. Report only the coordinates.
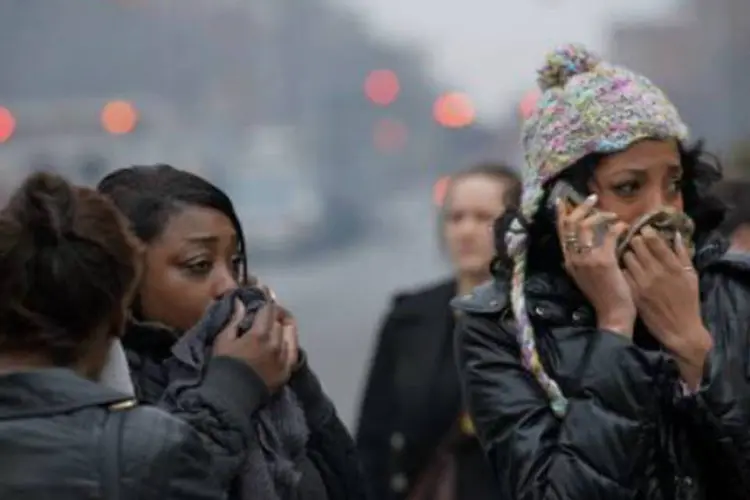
(285, 215)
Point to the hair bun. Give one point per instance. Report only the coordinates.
(44, 207)
(564, 63)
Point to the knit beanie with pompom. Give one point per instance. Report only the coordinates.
(586, 106)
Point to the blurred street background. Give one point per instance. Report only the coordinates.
(329, 122)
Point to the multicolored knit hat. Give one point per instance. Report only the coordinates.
(587, 106)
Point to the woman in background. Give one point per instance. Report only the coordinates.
(411, 437)
(195, 254)
(68, 268)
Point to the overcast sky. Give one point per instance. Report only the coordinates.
(491, 48)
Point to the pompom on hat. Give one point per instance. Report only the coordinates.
(587, 106)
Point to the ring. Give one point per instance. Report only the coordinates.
(583, 249)
(689, 269)
(571, 241)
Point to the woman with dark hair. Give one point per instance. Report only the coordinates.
(613, 361)
(68, 268)
(273, 432)
(413, 436)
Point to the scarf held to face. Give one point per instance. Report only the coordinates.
(281, 431)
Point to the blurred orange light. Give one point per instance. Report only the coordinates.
(382, 87)
(7, 124)
(528, 103)
(440, 190)
(390, 136)
(119, 117)
(454, 110)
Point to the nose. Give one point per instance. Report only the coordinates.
(224, 283)
(655, 199)
(470, 226)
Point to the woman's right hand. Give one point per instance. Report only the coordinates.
(588, 238)
(265, 347)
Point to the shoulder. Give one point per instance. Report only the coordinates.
(730, 270)
(439, 291)
(490, 298)
(162, 453)
(422, 298)
(485, 319)
(155, 440)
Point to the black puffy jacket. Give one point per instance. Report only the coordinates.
(54, 444)
(629, 432)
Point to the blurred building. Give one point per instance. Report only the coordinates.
(228, 69)
(701, 57)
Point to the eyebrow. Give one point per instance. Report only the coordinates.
(641, 169)
(203, 239)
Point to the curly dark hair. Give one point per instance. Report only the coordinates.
(701, 171)
(68, 264)
(735, 193)
(149, 195)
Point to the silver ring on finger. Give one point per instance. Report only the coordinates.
(583, 249)
(571, 241)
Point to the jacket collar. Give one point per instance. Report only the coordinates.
(149, 338)
(50, 391)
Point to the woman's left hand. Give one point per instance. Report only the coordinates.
(665, 289)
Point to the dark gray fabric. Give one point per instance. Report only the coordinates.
(281, 433)
(51, 425)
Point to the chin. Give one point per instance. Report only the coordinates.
(473, 267)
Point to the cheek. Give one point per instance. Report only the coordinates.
(626, 212)
(449, 235)
(678, 203)
(168, 297)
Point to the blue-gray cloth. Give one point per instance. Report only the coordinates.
(271, 472)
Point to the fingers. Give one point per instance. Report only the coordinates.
(682, 252)
(581, 211)
(568, 224)
(593, 230)
(635, 270)
(232, 330)
(659, 248)
(284, 348)
(291, 340)
(652, 252)
(264, 320)
(630, 279)
(275, 339)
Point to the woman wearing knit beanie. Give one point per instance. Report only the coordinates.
(611, 361)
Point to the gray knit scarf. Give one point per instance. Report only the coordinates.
(281, 432)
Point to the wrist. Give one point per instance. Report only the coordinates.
(691, 356)
(621, 322)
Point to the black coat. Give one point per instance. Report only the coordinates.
(51, 437)
(412, 398)
(221, 410)
(629, 433)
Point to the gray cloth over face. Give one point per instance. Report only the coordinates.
(271, 471)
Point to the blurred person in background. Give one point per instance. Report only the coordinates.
(413, 438)
(273, 432)
(68, 268)
(601, 367)
(735, 193)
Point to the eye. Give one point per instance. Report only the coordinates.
(627, 189)
(675, 184)
(237, 264)
(455, 216)
(198, 267)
